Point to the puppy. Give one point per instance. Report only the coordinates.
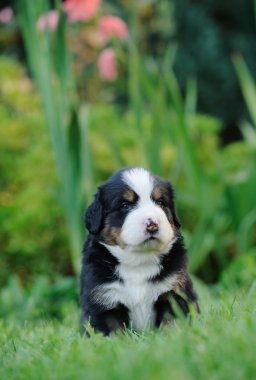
(134, 260)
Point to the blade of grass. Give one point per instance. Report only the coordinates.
(247, 85)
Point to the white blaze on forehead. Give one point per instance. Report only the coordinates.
(140, 181)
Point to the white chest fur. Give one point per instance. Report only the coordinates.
(135, 291)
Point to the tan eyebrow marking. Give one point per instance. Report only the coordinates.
(160, 192)
(157, 193)
(129, 196)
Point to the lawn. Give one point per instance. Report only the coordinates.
(218, 344)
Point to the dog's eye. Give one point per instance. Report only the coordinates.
(125, 206)
(160, 202)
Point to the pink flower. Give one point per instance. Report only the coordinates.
(81, 10)
(48, 20)
(6, 15)
(107, 65)
(112, 26)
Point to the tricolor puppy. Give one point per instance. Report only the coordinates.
(134, 260)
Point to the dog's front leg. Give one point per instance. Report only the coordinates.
(109, 321)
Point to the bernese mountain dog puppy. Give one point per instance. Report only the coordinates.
(134, 260)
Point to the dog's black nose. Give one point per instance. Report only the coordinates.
(152, 227)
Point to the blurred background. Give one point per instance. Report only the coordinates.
(90, 86)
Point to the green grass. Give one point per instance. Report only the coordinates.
(219, 344)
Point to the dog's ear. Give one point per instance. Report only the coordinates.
(175, 217)
(94, 215)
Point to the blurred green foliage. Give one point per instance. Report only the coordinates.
(241, 272)
(33, 234)
(208, 34)
(215, 208)
(40, 299)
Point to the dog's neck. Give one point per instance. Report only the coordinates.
(130, 257)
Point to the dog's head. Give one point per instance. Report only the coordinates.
(134, 210)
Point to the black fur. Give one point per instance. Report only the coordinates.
(94, 215)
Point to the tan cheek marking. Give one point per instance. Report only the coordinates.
(111, 235)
